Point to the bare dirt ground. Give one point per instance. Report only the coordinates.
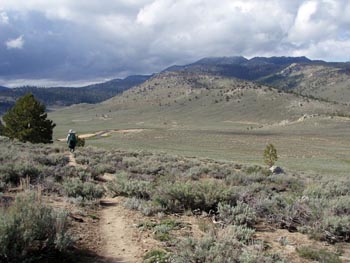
(104, 133)
(121, 240)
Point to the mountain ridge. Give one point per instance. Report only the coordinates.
(270, 71)
(66, 96)
(241, 67)
(182, 94)
(2, 88)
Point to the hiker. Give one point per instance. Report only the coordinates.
(71, 140)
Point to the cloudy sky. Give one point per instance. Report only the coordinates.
(53, 42)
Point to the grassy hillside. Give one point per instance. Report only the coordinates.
(194, 98)
(324, 80)
(221, 118)
(240, 67)
(320, 81)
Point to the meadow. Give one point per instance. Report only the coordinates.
(317, 145)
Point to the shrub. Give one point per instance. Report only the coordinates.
(251, 256)
(82, 160)
(103, 168)
(328, 189)
(252, 169)
(52, 159)
(61, 173)
(270, 207)
(194, 173)
(286, 182)
(295, 213)
(340, 206)
(130, 161)
(12, 173)
(29, 227)
(121, 185)
(191, 195)
(212, 248)
(319, 255)
(241, 214)
(162, 230)
(156, 256)
(148, 208)
(86, 190)
(80, 142)
(336, 228)
(223, 246)
(241, 233)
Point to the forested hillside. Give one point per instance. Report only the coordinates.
(65, 96)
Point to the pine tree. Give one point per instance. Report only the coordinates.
(270, 155)
(1, 127)
(27, 121)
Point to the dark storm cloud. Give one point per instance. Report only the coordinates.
(66, 40)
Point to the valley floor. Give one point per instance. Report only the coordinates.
(317, 145)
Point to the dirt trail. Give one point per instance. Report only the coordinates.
(121, 242)
(120, 238)
(105, 133)
(72, 161)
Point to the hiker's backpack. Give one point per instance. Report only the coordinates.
(72, 140)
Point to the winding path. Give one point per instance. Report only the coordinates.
(121, 242)
(120, 238)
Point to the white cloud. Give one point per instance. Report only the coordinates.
(4, 19)
(329, 50)
(49, 82)
(140, 36)
(315, 22)
(16, 43)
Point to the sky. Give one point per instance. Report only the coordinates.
(75, 42)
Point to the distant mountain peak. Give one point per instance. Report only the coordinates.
(3, 88)
(221, 60)
(240, 67)
(279, 60)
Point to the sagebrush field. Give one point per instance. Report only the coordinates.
(196, 210)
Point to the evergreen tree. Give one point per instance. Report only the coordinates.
(270, 155)
(1, 127)
(27, 121)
